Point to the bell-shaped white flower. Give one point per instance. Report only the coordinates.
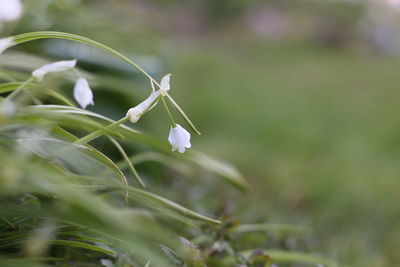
(136, 112)
(164, 85)
(179, 138)
(10, 10)
(53, 67)
(5, 43)
(82, 93)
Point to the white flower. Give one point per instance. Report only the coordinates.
(179, 138)
(10, 10)
(53, 67)
(82, 93)
(5, 43)
(135, 113)
(164, 85)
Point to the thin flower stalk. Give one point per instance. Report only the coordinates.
(26, 37)
(20, 89)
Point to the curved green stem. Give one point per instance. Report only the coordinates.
(86, 139)
(19, 89)
(179, 109)
(26, 37)
(169, 113)
(129, 162)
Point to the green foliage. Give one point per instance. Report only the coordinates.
(63, 200)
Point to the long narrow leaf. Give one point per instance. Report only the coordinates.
(128, 161)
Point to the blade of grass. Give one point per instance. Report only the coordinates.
(26, 37)
(97, 155)
(11, 86)
(128, 161)
(76, 244)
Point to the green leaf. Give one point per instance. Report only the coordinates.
(96, 155)
(156, 199)
(128, 161)
(224, 169)
(11, 86)
(76, 244)
(62, 115)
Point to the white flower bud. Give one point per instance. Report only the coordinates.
(135, 113)
(53, 67)
(82, 93)
(10, 10)
(164, 85)
(179, 138)
(5, 43)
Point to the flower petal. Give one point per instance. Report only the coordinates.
(10, 10)
(179, 138)
(136, 112)
(5, 43)
(164, 84)
(53, 67)
(82, 93)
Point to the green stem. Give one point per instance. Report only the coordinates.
(179, 109)
(26, 37)
(169, 113)
(128, 161)
(86, 139)
(19, 89)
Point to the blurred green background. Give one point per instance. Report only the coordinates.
(302, 96)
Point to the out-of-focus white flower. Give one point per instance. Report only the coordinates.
(82, 93)
(5, 43)
(10, 10)
(53, 67)
(135, 113)
(7, 108)
(179, 138)
(164, 85)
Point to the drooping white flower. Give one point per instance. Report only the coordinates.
(53, 67)
(82, 93)
(136, 112)
(164, 84)
(5, 43)
(10, 10)
(179, 138)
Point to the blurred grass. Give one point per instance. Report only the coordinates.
(315, 129)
